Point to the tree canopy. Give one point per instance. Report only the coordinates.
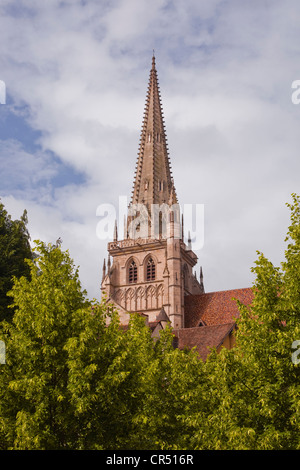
(256, 385)
(75, 378)
(14, 249)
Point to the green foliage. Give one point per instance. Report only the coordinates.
(108, 378)
(74, 378)
(266, 334)
(34, 407)
(173, 392)
(14, 249)
(128, 389)
(256, 386)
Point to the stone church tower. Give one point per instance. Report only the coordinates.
(150, 271)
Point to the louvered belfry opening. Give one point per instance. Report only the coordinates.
(150, 273)
(132, 272)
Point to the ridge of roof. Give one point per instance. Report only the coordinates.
(221, 291)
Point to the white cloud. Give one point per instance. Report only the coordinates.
(225, 70)
(22, 171)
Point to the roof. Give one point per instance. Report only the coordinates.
(215, 308)
(160, 321)
(162, 316)
(203, 338)
(216, 312)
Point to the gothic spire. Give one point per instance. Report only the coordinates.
(153, 178)
(103, 270)
(116, 231)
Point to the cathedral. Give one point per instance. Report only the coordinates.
(150, 271)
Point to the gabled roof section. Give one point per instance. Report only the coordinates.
(153, 182)
(203, 338)
(214, 308)
(162, 316)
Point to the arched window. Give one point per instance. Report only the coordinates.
(150, 297)
(185, 276)
(160, 223)
(132, 272)
(129, 300)
(150, 270)
(160, 296)
(140, 295)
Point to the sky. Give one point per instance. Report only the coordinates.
(76, 75)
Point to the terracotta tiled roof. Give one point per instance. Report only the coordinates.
(214, 308)
(203, 337)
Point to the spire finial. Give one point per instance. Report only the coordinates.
(189, 241)
(153, 60)
(201, 280)
(116, 231)
(104, 270)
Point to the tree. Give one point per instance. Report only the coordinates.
(34, 409)
(108, 379)
(74, 378)
(176, 390)
(129, 390)
(14, 249)
(256, 385)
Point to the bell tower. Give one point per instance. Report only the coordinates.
(151, 269)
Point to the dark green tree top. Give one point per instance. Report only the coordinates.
(14, 250)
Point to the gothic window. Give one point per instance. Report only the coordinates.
(185, 277)
(151, 297)
(119, 296)
(140, 298)
(150, 270)
(160, 295)
(132, 272)
(161, 185)
(129, 300)
(160, 225)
